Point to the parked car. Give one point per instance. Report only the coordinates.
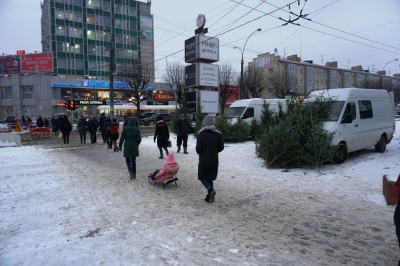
(4, 128)
(10, 120)
(151, 121)
(145, 115)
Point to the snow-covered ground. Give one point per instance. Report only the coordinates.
(75, 205)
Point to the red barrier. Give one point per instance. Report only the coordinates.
(40, 132)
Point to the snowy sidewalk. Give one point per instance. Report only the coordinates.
(75, 205)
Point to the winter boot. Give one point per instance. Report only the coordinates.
(179, 149)
(211, 194)
(185, 150)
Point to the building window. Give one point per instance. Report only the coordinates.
(60, 31)
(27, 92)
(271, 70)
(6, 93)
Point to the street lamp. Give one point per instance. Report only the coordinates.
(241, 92)
(389, 62)
(380, 78)
(112, 60)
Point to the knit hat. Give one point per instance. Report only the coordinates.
(170, 158)
(208, 121)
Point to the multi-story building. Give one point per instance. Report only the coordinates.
(79, 35)
(302, 77)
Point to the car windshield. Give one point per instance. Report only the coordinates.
(335, 110)
(234, 111)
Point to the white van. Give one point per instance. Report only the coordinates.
(359, 118)
(250, 109)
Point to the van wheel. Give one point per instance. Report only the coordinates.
(340, 155)
(381, 145)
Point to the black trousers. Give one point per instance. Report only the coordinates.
(181, 139)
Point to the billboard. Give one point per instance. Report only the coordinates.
(202, 74)
(201, 48)
(146, 27)
(9, 64)
(37, 63)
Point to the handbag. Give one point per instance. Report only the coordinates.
(169, 144)
(60, 135)
(77, 129)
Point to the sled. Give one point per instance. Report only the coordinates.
(164, 182)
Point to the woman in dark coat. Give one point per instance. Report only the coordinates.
(66, 128)
(209, 144)
(162, 136)
(92, 126)
(131, 138)
(82, 124)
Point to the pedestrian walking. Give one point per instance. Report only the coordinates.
(182, 129)
(131, 138)
(102, 120)
(82, 124)
(92, 126)
(66, 129)
(209, 144)
(161, 135)
(106, 125)
(114, 133)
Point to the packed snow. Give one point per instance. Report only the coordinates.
(75, 205)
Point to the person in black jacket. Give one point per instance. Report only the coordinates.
(65, 128)
(92, 126)
(209, 144)
(102, 120)
(162, 136)
(182, 129)
(39, 121)
(82, 124)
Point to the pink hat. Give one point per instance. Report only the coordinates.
(170, 158)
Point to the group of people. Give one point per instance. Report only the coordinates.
(209, 144)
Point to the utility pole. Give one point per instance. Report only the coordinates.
(112, 113)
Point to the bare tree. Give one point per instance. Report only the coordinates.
(227, 78)
(137, 74)
(175, 74)
(254, 81)
(283, 84)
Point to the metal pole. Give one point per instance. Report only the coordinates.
(112, 114)
(380, 78)
(241, 79)
(241, 90)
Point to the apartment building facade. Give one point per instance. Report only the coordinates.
(302, 77)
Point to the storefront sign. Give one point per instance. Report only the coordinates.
(105, 84)
(90, 102)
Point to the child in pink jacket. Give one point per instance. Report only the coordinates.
(169, 170)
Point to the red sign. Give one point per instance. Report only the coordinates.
(34, 63)
(166, 96)
(9, 64)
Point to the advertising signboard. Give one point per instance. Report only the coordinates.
(201, 48)
(37, 63)
(191, 101)
(209, 101)
(190, 50)
(202, 75)
(208, 75)
(190, 76)
(208, 48)
(9, 64)
(146, 27)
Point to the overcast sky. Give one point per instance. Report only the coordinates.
(356, 32)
